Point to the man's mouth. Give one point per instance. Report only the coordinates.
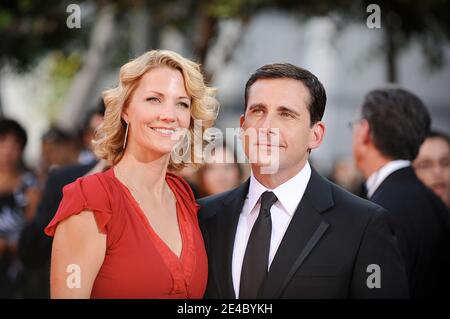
(268, 145)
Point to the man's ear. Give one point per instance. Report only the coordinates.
(241, 120)
(366, 138)
(241, 123)
(317, 134)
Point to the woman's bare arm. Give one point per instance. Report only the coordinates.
(78, 252)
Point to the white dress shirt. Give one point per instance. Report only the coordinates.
(289, 195)
(375, 180)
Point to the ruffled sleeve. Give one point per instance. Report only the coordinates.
(86, 193)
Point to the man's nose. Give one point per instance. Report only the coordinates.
(266, 124)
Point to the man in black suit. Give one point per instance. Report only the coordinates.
(393, 125)
(287, 232)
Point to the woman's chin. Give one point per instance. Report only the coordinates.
(163, 149)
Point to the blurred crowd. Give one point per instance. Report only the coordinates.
(29, 196)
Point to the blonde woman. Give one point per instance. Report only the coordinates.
(132, 231)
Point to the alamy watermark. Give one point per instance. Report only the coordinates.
(73, 21)
(373, 21)
(374, 279)
(262, 145)
(73, 280)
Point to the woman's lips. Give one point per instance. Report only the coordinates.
(167, 132)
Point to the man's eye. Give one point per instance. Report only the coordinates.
(257, 111)
(286, 114)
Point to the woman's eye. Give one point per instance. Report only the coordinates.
(152, 99)
(183, 104)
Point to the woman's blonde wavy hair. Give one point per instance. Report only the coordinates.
(108, 143)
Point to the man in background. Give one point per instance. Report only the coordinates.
(387, 137)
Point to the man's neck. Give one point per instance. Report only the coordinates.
(372, 163)
(272, 181)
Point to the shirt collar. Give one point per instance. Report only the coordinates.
(375, 180)
(289, 193)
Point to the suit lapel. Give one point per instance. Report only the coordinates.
(304, 232)
(227, 223)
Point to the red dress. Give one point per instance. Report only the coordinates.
(138, 264)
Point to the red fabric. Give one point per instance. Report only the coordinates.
(138, 264)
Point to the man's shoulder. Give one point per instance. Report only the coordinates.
(402, 189)
(67, 174)
(211, 205)
(354, 206)
(222, 203)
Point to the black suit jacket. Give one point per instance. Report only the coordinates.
(331, 240)
(423, 230)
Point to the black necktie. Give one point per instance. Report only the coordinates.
(256, 258)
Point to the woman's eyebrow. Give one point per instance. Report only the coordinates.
(155, 92)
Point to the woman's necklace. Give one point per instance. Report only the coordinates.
(132, 190)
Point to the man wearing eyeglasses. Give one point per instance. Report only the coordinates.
(394, 123)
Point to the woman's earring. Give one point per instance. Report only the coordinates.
(126, 136)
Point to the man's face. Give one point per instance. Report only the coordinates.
(10, 150)
(277, 122)
(432, 166)
(359, 138)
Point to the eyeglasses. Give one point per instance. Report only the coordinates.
(351, 124)
(429, 165)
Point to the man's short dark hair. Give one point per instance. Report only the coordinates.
(399, 122)
(12, 127)
(318, 97)
(57, 135)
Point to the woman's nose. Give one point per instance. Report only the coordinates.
(168, 113)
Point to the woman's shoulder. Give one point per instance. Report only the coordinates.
(97, 189)
(183, 191)
(97, 182)
(180, 185)
(94, 193)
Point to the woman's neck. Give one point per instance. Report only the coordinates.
(144, 176)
